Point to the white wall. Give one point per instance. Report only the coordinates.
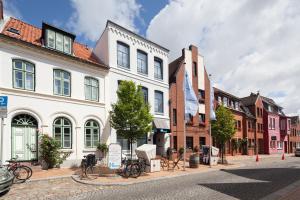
(116, 73)
(45, 106)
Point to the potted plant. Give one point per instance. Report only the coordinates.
(194, 158)
(103, 149)
(49, 154)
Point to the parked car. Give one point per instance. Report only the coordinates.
(297, 152)
(6, 180)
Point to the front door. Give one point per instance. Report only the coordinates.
(24, 138)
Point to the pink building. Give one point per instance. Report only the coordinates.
(276, 129)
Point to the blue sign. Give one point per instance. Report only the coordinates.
(3, 101)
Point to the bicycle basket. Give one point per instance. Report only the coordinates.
(91, 160)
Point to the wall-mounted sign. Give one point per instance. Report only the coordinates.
(114, 156)
(3, 106)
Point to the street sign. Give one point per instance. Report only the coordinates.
(3, 106)
(114, 156)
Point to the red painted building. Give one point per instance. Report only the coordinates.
(294, 136)
(197, 126)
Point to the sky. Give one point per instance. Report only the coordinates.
(247, 45)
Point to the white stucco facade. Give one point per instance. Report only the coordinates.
(44, 106)
(106, 50)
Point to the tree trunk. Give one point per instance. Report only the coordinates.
(222, 147)
(131, 148)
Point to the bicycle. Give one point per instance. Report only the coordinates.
(141, 164)
(128, 168)
(21, 172)
(88, 166)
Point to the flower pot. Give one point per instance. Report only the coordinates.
(194, 161)
(44, 165)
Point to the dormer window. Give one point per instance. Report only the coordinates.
(58, 39)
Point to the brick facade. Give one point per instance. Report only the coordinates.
(294, 136)
(196, 131)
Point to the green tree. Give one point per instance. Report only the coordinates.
(223, 128)
(130, 115)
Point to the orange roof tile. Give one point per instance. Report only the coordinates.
(33, 35)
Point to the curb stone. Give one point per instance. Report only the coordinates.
(75, 178)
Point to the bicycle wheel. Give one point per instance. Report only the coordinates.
(29, 171)
(90, 172)
(135, 170)
(21, 173)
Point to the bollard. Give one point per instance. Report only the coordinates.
(257, 159)
(282, 158)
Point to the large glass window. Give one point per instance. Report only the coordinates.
(145, 93)
(142, 62)
(91, 89)
(123, 142)
(159, 102)
(158, 69)
(62, 82)
(58, 41)
(24, 75)
(123, 55)
(62, 129)
(91, 134)
(189, 143)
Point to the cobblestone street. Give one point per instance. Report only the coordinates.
(258, 180)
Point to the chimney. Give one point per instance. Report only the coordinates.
(1, 10)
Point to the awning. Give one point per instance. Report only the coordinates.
(161, 125)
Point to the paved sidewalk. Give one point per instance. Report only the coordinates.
(294, 195)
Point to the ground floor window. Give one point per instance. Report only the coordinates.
(123, 142)
(142, 140)
(201, 141)
(298, 145)
(62, 129)
(189, 143)
(272, 144)
(279, 145)
(175, 142)
(91, 134)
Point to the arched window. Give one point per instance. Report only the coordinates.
(91, 134)
(23, 74)
(62, 129)
(91, 89)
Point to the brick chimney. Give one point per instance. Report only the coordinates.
(1, 10)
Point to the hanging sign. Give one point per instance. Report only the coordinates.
(3, 106)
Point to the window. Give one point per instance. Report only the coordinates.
(175, 142)
(159, 102)
(142, 62)
(145, 94)
(270, 123)
(201, 118)
(158, 70)
(62, 129)
(279, 144)
(273, 123)
(237, 105)
(201, 94)
(142, 140)
(123, 55)
(174, 117)
(257, 112)
(225, 101)
(220, 100)
(189, 143)
(249, 125)
(123, 142)
(24, 75)
(194, 68)
(62, 82)
(91, 134)
(58, 41)
(239, 125)
(91, 89)
(202, 141)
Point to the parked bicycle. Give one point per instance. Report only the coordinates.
(21, 172)
(88, 168)
(132, 168)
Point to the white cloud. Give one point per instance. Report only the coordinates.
(11, 10)
(90, 17)
(248, 45)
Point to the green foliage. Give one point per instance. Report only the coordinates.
(223, 129)
(102, 147)
(49, 151)
(235, 144)
(181, 150)
(130, 115)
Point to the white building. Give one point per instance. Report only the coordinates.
(54, 86)
(132, 57)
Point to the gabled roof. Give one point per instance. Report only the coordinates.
(174, 68)
(249, 100)
(219, 91)
(32, 35)
(269, 101)
(247, 112)
(294, 119)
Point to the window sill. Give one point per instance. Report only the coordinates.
(158, 113)
(89, 150)
(142, 74)
(66, 150)
(124, 68)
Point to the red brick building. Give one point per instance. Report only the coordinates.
(294, 137)
(254, 104)
(197, 126)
